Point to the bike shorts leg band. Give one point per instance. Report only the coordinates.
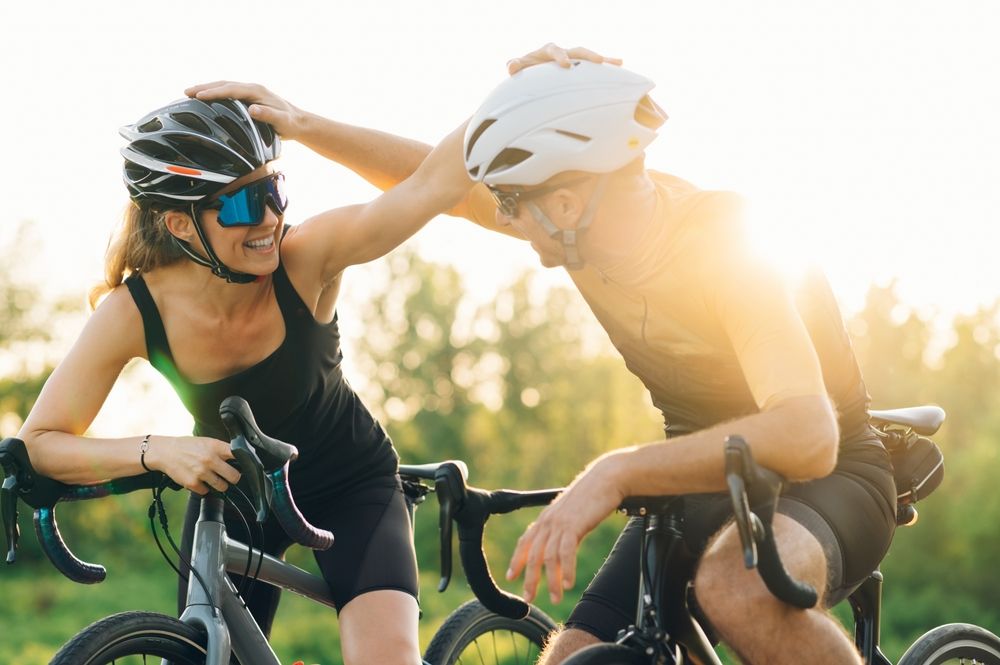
(814, 523)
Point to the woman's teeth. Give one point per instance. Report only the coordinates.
(263, 243)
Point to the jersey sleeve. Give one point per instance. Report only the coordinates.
(756, 308)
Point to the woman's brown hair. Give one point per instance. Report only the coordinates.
(142, 243)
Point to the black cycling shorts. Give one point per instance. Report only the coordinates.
(372, 545)
(852, 512)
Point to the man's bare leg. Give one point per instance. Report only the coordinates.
(759, 627)
(564, 644)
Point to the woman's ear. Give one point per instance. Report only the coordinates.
(179, 224)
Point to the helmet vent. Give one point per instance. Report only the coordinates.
(483, 126)
(192, 121)
(154, 149)
(474, 172)
(266, 132)
(573, 135)
(153, 125)
(238, 140)
(507, 158)
(649, 114)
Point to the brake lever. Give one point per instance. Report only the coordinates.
(252, 471)
(17, 472)
(449, 485)
(8, 510)
(736, 470)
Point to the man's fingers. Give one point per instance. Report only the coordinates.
(567, 557)
(195, 89)
(520, 556)
(533, 568)
(267, 114)
(553, 574)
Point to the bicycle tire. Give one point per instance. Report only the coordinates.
(117, 637)
(608, 654)
(954, 643)
(474, 634)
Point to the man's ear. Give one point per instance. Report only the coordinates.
(566, 207)
(180, 225)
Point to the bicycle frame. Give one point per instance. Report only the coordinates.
(220, 612)
(663, 617)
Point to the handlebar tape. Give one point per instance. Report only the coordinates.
(55, 548)
(477, 572)
(291, 519)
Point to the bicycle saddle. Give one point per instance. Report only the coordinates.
(924, 420)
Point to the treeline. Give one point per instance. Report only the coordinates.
(516, 388)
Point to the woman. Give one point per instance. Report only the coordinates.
(224, 299)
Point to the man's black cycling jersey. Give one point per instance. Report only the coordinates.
(711, 329)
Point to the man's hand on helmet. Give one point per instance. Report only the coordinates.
(553, 53)
(288, 120)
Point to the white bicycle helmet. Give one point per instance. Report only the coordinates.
(548, 119)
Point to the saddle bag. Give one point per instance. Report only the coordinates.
(917, 464)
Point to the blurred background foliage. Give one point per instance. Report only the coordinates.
(527, 390)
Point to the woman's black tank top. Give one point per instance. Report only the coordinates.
(298, 395)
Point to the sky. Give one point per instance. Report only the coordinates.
(864, 135)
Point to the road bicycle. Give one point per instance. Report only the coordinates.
(215, 626)
(665, 632)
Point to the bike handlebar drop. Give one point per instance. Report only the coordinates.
(262, 460)
(753, 489)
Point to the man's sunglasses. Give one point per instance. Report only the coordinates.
(508, 201)
(245, 206)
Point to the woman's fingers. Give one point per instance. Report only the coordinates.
(561, 56)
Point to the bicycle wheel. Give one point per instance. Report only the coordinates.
(607, 654)
(128, 638)
(954, 643)
(473, 634)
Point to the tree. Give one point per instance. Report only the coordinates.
(26, 324)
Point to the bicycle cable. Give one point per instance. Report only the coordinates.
(250, 546)
(156, 508)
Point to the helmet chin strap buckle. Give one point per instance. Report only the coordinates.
(212, 262)
(570, 237)
(570, 248)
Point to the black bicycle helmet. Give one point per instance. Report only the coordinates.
(188, 150)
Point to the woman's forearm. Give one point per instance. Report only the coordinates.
(381, 158)
(79, 460)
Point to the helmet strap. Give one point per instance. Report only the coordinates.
(570, 237)
(218, 268)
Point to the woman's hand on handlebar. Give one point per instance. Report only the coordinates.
(553, 53)
(198, 463)
(552, 540)
(287, 119)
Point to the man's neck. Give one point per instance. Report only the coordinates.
(622, 219)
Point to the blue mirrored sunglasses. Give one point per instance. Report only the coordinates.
(245, 206)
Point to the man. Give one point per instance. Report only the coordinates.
(721, 342)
